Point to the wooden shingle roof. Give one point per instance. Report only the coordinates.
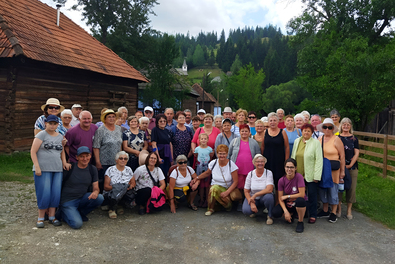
(28, 28)
(207, 96)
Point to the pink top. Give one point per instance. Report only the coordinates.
(244, 158)
(211, 138)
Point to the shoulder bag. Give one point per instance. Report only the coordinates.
(235, 195)
(326, 178)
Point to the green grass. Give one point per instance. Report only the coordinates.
(16, 167)
(375, 195)
(196, 74)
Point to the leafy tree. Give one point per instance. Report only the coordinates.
(236, 65)
(348, 55)
(198, 56)
(211, 59)
(246, 87)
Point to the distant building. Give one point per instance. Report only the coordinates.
(183, 70)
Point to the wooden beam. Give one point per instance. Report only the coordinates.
(366, 134)
(371, 144)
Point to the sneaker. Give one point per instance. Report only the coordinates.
(300, 227)
(84, 218)
(40, 224)
(55, 222)
(323, 214)
(142, 211)
(332, 218)
(269, 220)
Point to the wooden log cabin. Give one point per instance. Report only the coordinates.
(40, 59)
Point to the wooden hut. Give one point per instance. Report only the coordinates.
(40, 59)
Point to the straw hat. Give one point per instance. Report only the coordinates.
(52, 101)
(327, 121)
(105, 113)
(143, 156)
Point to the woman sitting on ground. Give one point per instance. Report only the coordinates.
(292, 198)
(180, 187)
(223, 181)
(120, 176)
(258, 189)
(147, 176)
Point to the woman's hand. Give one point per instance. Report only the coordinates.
(254, 208)
(287, 217)
(98, 165)
(225, 194)
(64, 141)
(37, 171)
(284, 197)
(67, 166)
(348, 166)
(172, 208)
(194, 185)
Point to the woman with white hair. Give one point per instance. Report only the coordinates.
(218, 121)
(306, 116)
(299, 121)
(66, 117)
(351, 149)
(118, 180)
(258, 189)
(143, 124)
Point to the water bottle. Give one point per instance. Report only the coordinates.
(341, 185)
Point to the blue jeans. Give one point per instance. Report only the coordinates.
(312, 193)
(48, 189)
(265, 201)
(72, 210)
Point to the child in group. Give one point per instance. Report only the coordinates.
(204, 155)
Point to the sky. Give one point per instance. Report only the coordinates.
(194, 16)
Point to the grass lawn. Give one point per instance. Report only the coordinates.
(375, 196)
(16, 167)
(196, 74)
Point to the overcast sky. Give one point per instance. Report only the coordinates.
(193, 16)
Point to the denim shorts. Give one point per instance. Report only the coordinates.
(330, 195)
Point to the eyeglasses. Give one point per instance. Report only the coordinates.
(327, 127)
(182, 162)
(148, 112)
(289, 168)
(121, 158)
(67, 117)
(54, 107)
(162, 121)
(252, 117)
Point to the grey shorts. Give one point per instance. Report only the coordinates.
(330, 195)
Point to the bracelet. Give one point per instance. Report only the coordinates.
(171, 198)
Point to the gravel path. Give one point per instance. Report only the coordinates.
(185, 237)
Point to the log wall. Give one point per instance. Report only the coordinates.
(24, 87)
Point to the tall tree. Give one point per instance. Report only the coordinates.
(348, 55)
(198, 56)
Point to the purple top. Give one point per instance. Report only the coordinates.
(77, 137)
(290, 187)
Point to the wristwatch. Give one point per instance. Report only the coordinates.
(289, 196)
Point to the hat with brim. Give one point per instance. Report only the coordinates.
(143, 156)
(228, 110)
(106, 113)
(327, 121)
(52, 101)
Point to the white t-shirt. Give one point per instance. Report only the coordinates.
(182, 181)
(117, 176)
(216, 175)
(256, 184)
(143, 180)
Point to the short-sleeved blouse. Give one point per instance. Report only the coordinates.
(211, 138)
(109, 143)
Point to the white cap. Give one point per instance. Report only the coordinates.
(148, 108)
(228, 110)
(264, 119)
(76, 106)
(201, 111)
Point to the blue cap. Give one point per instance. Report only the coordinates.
(83, 149)
(52, 118)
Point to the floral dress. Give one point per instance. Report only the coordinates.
(135, 142)
(181, 141)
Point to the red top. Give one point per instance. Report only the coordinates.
(211, 138)
(281, 124)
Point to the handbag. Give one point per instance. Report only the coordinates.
(326, 177)
(235, 195)
(335, 164)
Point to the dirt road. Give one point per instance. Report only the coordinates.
(184, 237)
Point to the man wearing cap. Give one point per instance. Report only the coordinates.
(170, 123)
(76, 201)
(316, 120)
(201, 113)
(188, 117)
(80, 135)
(149, 112)
(228, 114)
(76, 110)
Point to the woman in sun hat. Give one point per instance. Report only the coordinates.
(51, 107)
(106, 143)
(333, 150)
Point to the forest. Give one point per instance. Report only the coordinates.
(336, 54)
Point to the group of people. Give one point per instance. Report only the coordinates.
(274, 163)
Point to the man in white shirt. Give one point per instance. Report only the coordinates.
(76, 110)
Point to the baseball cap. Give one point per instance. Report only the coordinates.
(201, 111)
(83, 149)
(148, 108)
(76, 106)
(52, 118)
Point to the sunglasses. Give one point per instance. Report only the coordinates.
(182, 162)
(148, 112)
(121, 158)
(252, 117)
(54, 107)
(327, 127)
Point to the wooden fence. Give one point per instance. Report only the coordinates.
(378, 141)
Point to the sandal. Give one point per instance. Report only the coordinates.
(55, 222)
(112, 214)
(120, 210)
(40, 224)
(312, 220)
(193, 207)
(209, 212)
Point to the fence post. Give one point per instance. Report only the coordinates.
(385, 156)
